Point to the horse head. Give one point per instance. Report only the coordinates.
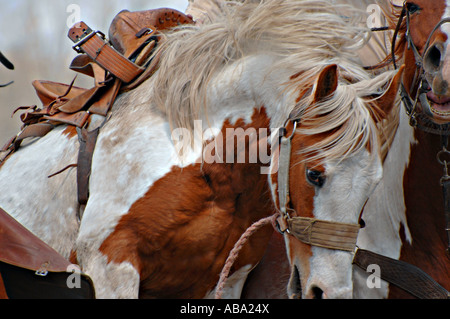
(327, 191)
(423, 29)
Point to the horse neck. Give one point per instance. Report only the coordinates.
(232, 192)
(384, 213)
(405, 214)
(425, 209)
(423, 236)
(248, 83)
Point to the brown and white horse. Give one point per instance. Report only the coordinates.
(405, 216)
(170, 190)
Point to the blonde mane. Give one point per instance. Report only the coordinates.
(304, 36)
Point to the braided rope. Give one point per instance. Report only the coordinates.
(234, 253)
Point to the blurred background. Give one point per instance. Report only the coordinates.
(33, 37)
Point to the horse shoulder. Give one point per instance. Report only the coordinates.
(47, 206)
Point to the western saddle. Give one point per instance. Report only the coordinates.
(117, 65)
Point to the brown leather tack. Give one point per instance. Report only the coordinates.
(19, 247)
(87, 144)
(129, 30)
(323, 233)
(133, 35)
(403, 275)
(49, 91)
(3, 294)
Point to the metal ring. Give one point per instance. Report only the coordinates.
(293, 131)
(441, 152)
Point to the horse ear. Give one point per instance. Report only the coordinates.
(326, 83)
(386, 102)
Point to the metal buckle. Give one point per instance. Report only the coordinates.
(89, 33)
(42, 271)
(278, 226)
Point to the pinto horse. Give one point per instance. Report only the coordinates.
(404, 216)
(407, 218)
(170, 190)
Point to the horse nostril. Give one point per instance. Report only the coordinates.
(317, 293)
(433, 56)
(294, 285)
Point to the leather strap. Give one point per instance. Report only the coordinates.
(326, 234)
(101, 52)
(78, 119)
(315, 232)
(3, 294)
(283, 174)
(78, 102)
(34, 130)
(446, 192)
(403, 275)
(87, 141)
(19, 247)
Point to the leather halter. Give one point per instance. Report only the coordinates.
(340, 236)
(315, 232)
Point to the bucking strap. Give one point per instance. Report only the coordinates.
(403, 275)
(322, 233)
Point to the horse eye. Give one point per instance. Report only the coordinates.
(412, 7)
(315, 177)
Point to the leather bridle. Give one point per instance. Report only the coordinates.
(419, 84)
(342, 236)
(315, 232)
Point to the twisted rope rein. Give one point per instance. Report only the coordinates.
(234, 253)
